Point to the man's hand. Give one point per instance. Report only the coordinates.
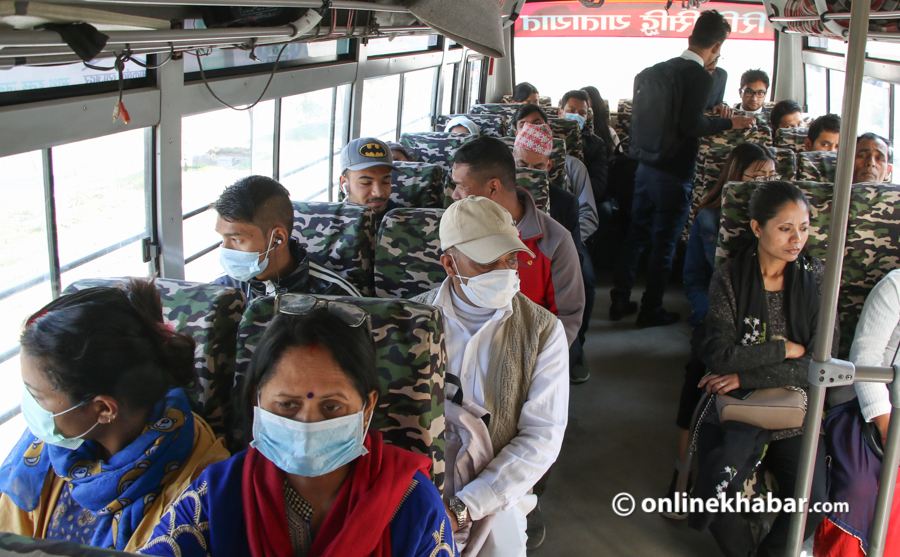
(723, 110)
(742, 122)
(454, 524)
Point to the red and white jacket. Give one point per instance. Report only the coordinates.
(552, 278)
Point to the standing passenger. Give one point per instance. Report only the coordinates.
(717, 93)
(510, 358)
(663, 190)
(366, 166)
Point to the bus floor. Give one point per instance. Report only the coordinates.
(622, 437)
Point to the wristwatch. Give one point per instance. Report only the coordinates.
(461, 511)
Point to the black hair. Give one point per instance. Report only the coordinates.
(574, 94)
(752, 76)
(601, 117)
(351, 347)
(710, 29)
(527, 110)
(770, 197)
(257, 200)
(828, 123)
(110, 341)
(397, 147)
(782, 109)
(522, 91)
(876, 137)
(489, 158)
(738, 161)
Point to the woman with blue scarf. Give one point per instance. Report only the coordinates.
(111, 439)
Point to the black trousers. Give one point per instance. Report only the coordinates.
(694, 371)
(732, 531)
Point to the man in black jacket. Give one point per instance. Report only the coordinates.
(574, 106)
(663, 190)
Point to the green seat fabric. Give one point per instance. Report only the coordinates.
(417, 184)
(817, 166)
(408, 254)
(434, 147)
(623, 121)
(792, 138)
(494, 125)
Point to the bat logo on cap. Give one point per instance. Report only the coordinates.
(372, 150)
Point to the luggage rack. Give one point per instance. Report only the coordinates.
(825, 371)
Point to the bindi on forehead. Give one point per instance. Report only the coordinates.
(310, 395)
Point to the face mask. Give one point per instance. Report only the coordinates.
(309, 449)
(493, 290)
(244, 265)
(577, 117)
(41, 423)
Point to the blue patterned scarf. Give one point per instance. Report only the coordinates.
(118, 492)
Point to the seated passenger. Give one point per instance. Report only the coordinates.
(111, 440)
(366, 166)
(510, 358)
(873, 159)
(315, 480)
(259, 255)
(601, 120)
(551, 272)
(400, 153)
(461, 124)
(754, 86)
(852, 428)
(746, 162)
(760, 334)
(786, 114)
(532, 150)
(824, 133)
(525, 93)
(574, 106)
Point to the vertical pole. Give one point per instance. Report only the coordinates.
(168, 174)
(276, 142)
(356, 98)
(856, 57)
(150, 203)
(438, 97)
(331, 144)
(50, 219)
(888, 474)
(402, 88)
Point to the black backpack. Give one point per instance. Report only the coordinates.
(657, 106)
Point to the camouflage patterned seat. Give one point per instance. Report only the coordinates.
(494, 125)
(568, 131)
(508, 110)
(410, 360)
(434, 147)
(623, 121)
(417, 184)
(873, 238)
(530, 180)
(792, 138)
(542, 100)
(557, 174)
(208, 313)
(817, 166)
(340, 237)
(785, 163)
(408, 254)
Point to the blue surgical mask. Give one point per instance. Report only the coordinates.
(309, 449)
(244, 265)
(577, 117)
(41, 423)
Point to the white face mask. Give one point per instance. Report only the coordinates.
(492, 290)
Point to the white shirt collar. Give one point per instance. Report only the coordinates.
(691, 55)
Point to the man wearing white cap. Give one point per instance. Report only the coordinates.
(510, 357)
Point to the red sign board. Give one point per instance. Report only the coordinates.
(629, 19)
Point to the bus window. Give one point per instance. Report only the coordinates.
(379, 108)
(816, 90)
(875, 106)
(473, 83)
(447, 99)
(307, 122)
(397, 45)
(835, 91)
(418, 90)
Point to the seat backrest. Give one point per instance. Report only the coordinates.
(872, 246)
(408, 254)
(434, 147)
(341, 238)
(785, 163)
(568, 131)
(817, 166)
(542, 100)
(410, 358)
(535, 182)
(494, 125)
(508, 110)
(209, 314)
(557, 174)
(589, 122)
(418, 184)
(792, 138)
(623, 121)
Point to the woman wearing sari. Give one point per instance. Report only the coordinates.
(315, 480)
(110, 443)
